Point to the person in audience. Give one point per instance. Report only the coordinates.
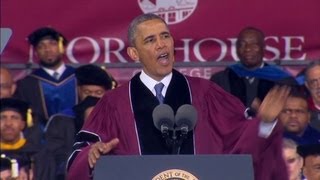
(7, 84)
(293, 160)
(251, 78)
(14, 117)
(61, 133)
(312, 80)
(18, 167)
(295, 118)
(52, 87)
(92, 81)
(5, 168)
(83, 110)
(311, 156)
(7, 89)
(125, 126)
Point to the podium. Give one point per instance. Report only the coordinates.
(174, 167)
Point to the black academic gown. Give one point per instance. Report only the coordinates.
(47, 95)
(60, 134)
(41, 160)
(238, 86)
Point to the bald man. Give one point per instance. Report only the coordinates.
(7, 84)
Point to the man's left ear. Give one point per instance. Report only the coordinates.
(133, 53)
(23, 125)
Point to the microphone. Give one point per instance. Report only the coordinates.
(186, 118)
(163, 118)
(185, 121)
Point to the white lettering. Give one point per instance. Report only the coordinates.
(288, 47)
(95, 46)
(207, 49)
(234, 48)
(271, 49)
(223, 47)
(186, 49)
(116, 52)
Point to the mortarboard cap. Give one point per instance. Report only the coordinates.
(45, 32)
(93, 75)
(308, 149)
(19, 106)
(15, 105)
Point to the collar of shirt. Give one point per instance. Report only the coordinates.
(251, 79)
(150, 83)
(60, 70)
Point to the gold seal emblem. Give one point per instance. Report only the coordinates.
(175, 174)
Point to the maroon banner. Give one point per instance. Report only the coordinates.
(204, 31)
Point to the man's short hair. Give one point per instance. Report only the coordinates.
(138, 20)
(309, 150)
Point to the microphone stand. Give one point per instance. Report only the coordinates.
(176, 144)
(165, 135)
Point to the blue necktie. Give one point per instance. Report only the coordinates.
(158, 87)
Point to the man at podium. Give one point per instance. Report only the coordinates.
(122, 122)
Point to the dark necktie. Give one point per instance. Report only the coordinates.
(158, 87)
(56, 75)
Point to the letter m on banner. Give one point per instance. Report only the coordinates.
(5, 36)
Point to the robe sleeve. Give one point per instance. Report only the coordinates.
(223, 115)
(111, 118)
(98, 127)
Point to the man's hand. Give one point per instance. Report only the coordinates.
(99, 148)
(273, 103)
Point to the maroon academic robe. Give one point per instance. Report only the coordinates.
(221, 129)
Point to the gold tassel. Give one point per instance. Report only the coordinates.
(29, 118)
(14, 168)
(60, 45)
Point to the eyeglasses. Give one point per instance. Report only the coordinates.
(295, 111)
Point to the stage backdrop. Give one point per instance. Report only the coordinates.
(204, 31)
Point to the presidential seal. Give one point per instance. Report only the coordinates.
(174, 174)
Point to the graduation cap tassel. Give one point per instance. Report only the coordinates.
(29, 118)
(60, 45)
(14, 168)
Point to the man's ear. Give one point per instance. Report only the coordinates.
(79, 90)
(13, 89)
(307, 85)
(133, 53)
(23, 125)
